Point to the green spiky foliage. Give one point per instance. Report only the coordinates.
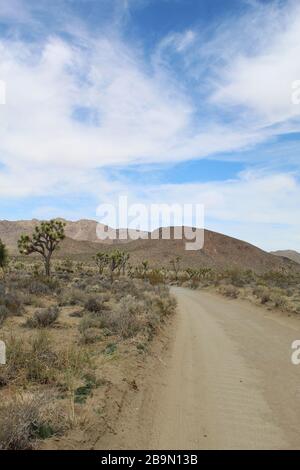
(145, 267)
(175, 263)
(101, 260)
(115, 261)
(124, 261)
(44, 241)
(3, 256)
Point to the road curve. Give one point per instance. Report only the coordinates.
(225, 382)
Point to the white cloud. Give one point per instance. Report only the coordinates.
(14, 10)
(142, 112)
(254, 197)
(260, 79)
(259, 207)
(140, 115)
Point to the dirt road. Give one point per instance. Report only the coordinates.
(226, 381)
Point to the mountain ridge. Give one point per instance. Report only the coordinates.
(219, 251)
(290, 254)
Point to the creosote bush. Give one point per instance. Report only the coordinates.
(94, 305)
(137, 312)
(13, 303)
(43, 318)
(229, 291)
(4, 312)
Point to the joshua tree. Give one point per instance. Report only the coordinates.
(175, 263)
(115, 258)
(3, 256)
(102, 260)
(192, 273)
(124, 260)
(145, 267)
(130, 271)
(44, 240)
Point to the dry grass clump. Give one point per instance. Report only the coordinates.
(89, 329)
(132, 314)
(229, 291)
(94, 304)
(39, 362)
(127, 317)
(25, 419)
(72, 296)
(279, 299)
(274, 289)
(38, 285)
(134, 307)
(273, 296)
(43, 318)
(13, 303)
(4, 312)
(263, 293)
(41, 359)
(90, 335)
(33, 361)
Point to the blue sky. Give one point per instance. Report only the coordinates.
(162, 100)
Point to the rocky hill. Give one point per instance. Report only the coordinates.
(219, 251)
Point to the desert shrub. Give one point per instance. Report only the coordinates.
(38, 288)
(167, 305)
(262, 293)
(90, 335)
(26, 419)
(278, 279)
(280, 301)
(33, 300)
(2, 289)
(76, 314)
(265, 297)
(42, 360)
(66, 266)
(140, 307)
(80, 284)
(94, 304)
(74, 361)
(229, 291)
(73, 296)
(43, 318)
(156, 276)
(13, 303)
(37, 361)
(89, 321)
(125, 319)
(122, 287)
(4, 312)
(34, 361)
(259, 290)
(128, 318)
(110, 349)
(194, 283)
(16, 353)
(36, 285)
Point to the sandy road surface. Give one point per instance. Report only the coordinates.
(226, 381)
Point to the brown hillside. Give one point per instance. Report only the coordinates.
(81, 230)
(290, 254)
(220, 251)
